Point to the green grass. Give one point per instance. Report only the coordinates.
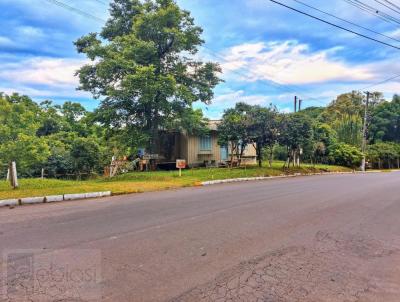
(138, 182)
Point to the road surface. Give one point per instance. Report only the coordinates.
(319, 238)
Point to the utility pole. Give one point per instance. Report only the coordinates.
(364, 141)
(300, 102)
(295, 104)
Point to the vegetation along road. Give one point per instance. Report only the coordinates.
(320, 238)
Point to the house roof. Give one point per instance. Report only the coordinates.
(213, 124)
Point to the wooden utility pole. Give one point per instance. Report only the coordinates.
(364, 141)
(13, 175)
(300, 101)
(295, 104)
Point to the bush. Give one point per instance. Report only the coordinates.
(85, 154)
(345, 155)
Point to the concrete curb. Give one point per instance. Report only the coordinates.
(53, 198)
(9, 202)
(232, 180)
(32, 200)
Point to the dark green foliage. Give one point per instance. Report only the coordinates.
(384, 155)
(42, 136)
(345, 155)
(385, 121)
(143, 68)
(85, 154)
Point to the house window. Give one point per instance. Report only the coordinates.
(205, 143)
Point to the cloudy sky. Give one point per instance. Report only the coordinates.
(268, 53)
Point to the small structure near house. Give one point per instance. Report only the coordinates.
(192, 150)
(198, 151)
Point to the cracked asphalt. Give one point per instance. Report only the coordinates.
(319, 238)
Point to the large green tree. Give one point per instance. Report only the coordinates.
(264, 130)
(385, 121)
(296, 132)
(142, 66)
(233, 131)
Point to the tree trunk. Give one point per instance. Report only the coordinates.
(242, 149)
(294, 157)
(298, 159)
(271, 154)
(232, 150)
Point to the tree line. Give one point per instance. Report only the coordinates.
(143, 69)
(330, 135)
(67, 140)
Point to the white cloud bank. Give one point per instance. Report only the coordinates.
(291, 63)
(43, 71)
(42, 77)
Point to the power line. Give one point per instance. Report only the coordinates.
(373, 11)
(382, 82)
(392, 4)
(273, 83)
(102, 2)
(377, 11)
(75, 10)
(344, 20)
(335, 25)
(387, 6)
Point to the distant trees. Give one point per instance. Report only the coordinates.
(384, 155)
(349, 129)
(296, 132)
(233, 131)
(60, 139)
(67, 140)
(317, 134)
(385, 121)
(345, 155)
(263, 128)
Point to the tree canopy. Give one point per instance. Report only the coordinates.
(143, 69)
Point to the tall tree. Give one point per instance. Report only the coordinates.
(264, 130)
(296, 132)
(142, 66)
(233, 131)
(385, 121)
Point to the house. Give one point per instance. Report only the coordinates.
(198, 150)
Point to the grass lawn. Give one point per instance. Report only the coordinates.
(138, 182)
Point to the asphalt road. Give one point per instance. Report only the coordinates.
(320, 238)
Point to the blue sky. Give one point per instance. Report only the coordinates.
(257, 42)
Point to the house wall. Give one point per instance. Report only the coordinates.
(190, 146)
(197, 157)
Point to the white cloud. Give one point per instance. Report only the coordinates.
(30, 32)
(42, 71)
(291, 63)
(394, 34)
(230, 99)
(4, 41)
(67, 92)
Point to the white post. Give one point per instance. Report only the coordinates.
(13, 175)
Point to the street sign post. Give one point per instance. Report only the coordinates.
(180, 164)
